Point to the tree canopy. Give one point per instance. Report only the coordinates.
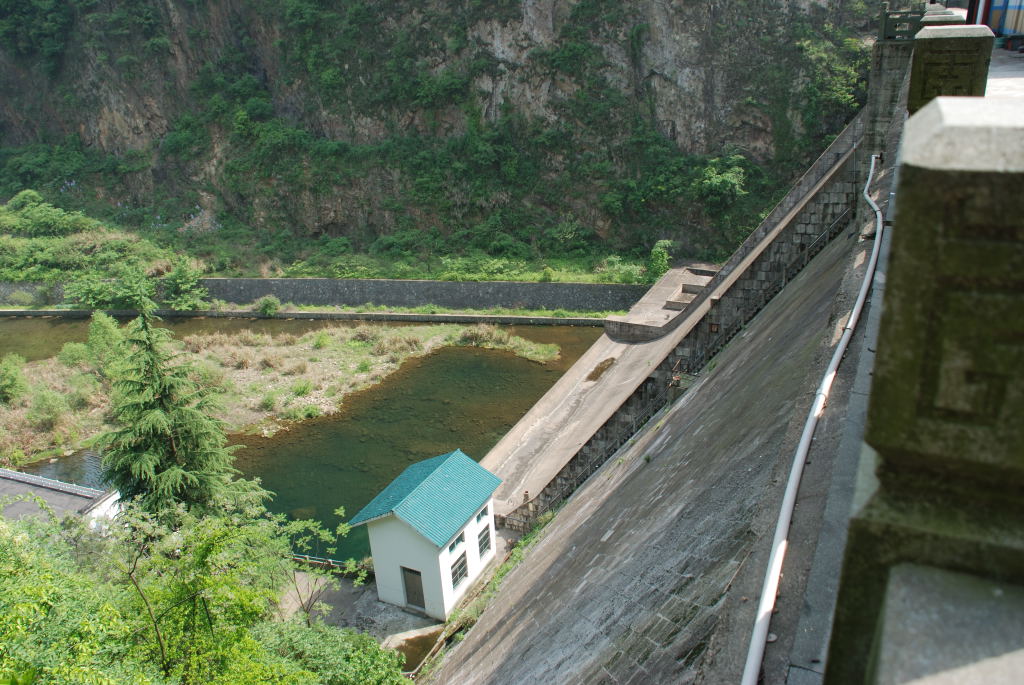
(168, 449)
(147, 602)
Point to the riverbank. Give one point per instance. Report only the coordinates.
(368, 313)
(266, 381)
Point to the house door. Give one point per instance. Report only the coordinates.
(413, 582)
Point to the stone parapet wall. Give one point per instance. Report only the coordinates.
(814, 211)
(819, 207)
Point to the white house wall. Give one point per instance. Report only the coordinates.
(394, 544)
(474, 564)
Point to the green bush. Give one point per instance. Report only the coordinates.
(321, 340)
(48, 409)
(268, 305)
(85, 391)
(73, 354)
(657, 264)
(104, 343)
(128, 291)
(12, 378)
(90, 291)
(25, 198)
(21, 298)
(339, 656)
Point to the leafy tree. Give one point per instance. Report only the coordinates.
(169, 449)
(104, 343)
(148, 602)
(181, 289)
(12, 379)
(131, 287)
(337, 657)
(658, 262)
(58, 620)
(199, 586)
(721, 182)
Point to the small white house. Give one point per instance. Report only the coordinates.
(431, 532)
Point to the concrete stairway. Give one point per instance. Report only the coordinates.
(694, 280)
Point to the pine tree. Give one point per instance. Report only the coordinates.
(168, 449)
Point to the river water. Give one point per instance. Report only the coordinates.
(463, 398)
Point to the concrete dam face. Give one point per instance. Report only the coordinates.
(641, 576)
(651, 570)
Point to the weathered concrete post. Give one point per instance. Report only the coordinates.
(944, 19)
(949, 60)
(945, 526)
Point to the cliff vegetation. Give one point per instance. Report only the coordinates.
(479, 138)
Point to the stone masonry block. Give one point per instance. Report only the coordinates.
(947, 395)
(937, 622)
(949, 60)
(949, 382)
(941, 20)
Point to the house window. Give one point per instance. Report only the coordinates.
(481, 515)
(485, 541)
(458, 541)
(459, 570)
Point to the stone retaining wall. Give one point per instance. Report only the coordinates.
(395, 293)
(451, 294)
(328, 316)
(355, 292)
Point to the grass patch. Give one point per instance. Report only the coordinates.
(466, 616)
(496, 338)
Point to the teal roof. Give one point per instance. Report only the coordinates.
(435, 496)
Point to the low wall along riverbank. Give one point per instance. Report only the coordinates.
(391, 293)
(497, 319)
(448, 294)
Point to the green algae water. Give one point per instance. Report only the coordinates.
(455, 397)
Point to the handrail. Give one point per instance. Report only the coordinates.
(770, 586)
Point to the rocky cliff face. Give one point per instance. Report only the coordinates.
(374, 118)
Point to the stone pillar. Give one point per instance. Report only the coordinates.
(946, 414)
(949, 60)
